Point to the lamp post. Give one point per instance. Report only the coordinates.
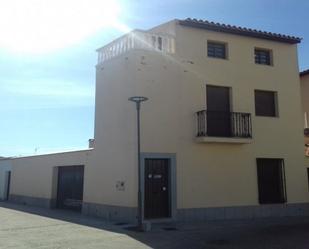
(138, 100)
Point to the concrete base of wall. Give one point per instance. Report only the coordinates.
(129, 214)
(244, 212)
(109, 212)
(31, 201)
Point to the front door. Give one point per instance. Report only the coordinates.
(271, 182)
(70, 187)
(218, 111)
(157, 189)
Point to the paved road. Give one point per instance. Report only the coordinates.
(25, 227)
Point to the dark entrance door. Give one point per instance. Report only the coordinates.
(271, 181)
(70, 187)
(218, 111)
(157, 189)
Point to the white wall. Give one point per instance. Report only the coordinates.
(34, 176)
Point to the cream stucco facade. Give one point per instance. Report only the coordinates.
(208, 174)
(209, 178)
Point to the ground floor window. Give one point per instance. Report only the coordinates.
(271, 180)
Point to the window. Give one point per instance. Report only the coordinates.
(263, 56)
(266, 103)
(160, 43)
(271, 181)
(157, 42)
(216, 49)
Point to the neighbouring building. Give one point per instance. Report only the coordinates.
(221, 133)
(304, 81)
(51, 180)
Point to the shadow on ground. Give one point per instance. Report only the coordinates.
(279, 233)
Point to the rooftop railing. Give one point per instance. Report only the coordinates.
(137, 40)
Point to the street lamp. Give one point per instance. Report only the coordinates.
(138, 100)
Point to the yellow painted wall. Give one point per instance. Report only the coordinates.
(33, 176)
(208, 175)
(114, 154)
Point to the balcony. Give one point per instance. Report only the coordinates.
(137, 40)
(223, 127)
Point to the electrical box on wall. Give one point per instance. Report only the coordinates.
(120, 185)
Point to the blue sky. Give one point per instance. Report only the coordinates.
(47, 98)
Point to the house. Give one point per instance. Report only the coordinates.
(221, 133)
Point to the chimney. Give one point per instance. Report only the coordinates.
(91, 143)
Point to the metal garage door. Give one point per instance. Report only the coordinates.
(70, 187)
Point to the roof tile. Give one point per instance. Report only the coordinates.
(226, 28)
(305, 72)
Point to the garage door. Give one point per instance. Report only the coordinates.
(70, 187)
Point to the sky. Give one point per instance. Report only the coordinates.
(48, 58)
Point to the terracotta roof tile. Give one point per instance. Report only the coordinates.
(219, 27)
(303, 73)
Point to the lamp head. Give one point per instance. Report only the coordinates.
(138, 99)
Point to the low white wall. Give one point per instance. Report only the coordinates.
(5, 166)
(34, 176)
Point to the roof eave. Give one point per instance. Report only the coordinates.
(240, 31)
(304, 73)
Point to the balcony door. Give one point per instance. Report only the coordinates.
(218, 111)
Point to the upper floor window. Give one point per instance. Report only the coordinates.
(266, 103)
(263, 56)
(217, 49)
(157, 42)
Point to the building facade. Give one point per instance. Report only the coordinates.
(217, 139)
(220, 103)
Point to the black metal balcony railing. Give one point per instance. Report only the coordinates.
(224, 124)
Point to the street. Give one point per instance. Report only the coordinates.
(29, 227)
